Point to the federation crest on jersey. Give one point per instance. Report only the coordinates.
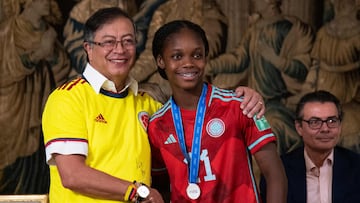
(261, 123)
(143, 117)
(215, 127)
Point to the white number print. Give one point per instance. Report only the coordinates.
(205, 158)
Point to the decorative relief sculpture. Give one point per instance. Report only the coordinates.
(275, 51)
(32, 64)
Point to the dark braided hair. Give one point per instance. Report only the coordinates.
(163, 33)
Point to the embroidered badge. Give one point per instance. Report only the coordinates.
(215, 127)
(261, 123)
(144, 119)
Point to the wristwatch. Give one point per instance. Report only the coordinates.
(142, 192)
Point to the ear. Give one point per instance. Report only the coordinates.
(88, 50)
(160, 62)
(299, 127)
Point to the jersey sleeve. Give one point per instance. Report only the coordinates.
(64, 125)
(157, 163)
(258, 133)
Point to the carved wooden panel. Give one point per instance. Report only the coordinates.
(237, 11)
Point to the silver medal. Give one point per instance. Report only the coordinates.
(193, 191)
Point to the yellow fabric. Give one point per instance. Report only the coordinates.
(117, 141)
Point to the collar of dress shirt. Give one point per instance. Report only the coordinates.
(309, 164)
(98, 81)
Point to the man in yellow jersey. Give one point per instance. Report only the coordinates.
(95, 126)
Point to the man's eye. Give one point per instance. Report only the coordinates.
(109, 43)
(333, 120)
(128, 41)
(314, 122)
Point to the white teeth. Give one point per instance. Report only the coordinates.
(117, 61)
(187, 74)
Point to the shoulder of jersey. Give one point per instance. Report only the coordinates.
(224, 95)
(143, 94)
(72, 84)
(162, 110)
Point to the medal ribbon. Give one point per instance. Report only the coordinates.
(196, 143)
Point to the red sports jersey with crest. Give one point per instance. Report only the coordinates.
(228, 140)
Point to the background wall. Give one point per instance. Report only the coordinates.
(237, 11)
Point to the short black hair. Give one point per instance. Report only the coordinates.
(102, 17)
(321, 96)
(162, 34)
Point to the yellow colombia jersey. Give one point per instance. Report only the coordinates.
(109, 129)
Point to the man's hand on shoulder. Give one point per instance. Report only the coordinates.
(253, 102)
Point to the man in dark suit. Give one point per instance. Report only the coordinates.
(320, 171)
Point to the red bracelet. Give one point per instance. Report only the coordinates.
(132, 195)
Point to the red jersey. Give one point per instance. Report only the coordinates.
(229, 138)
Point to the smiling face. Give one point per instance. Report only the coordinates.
(183, 58)
(115, 63)
(319, 140)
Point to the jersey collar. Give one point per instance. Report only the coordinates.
(98, 81)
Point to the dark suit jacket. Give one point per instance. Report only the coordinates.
(345, 183)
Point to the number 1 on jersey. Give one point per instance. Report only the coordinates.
(205, 158)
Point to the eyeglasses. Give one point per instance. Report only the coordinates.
(128, 43)
(316, 123)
